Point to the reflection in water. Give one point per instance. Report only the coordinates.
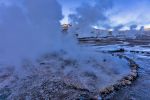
(140, 89)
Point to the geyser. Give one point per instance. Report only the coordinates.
(31, 28)
(28, 28)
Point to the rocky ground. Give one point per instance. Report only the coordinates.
(139, 90)
(145, 40)
(58, 77)
(138, 51)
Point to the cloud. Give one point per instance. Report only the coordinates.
(88, 15)
(130, 12)
(69, 7)
(125, 12)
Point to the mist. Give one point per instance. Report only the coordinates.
(40, 60)
(28, 29)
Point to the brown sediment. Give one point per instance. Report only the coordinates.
(125, 81)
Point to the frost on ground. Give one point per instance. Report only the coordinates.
(58, 76)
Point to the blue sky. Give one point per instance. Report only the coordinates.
(126, 12)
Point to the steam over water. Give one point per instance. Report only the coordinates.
(30, 31)
(28, 28)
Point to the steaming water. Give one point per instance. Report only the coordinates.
(139, 90)
(30, 29)
(91, 74)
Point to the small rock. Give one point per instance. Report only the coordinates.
(130, 78)
(104, 91)
(134, 67)
(127, 82)
(97, 98)
(134, 74)
(142, 52)
(117, 86)
(134, 71)
(110, 89)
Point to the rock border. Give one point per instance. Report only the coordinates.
(105, 94)
(125, 81)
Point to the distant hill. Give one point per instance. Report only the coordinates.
(147, 29)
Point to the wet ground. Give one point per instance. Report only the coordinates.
(57, 77)
(140, 89)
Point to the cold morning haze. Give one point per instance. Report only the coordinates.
(74, 49)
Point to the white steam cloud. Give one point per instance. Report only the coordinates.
(28, 28)
(88, 15)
